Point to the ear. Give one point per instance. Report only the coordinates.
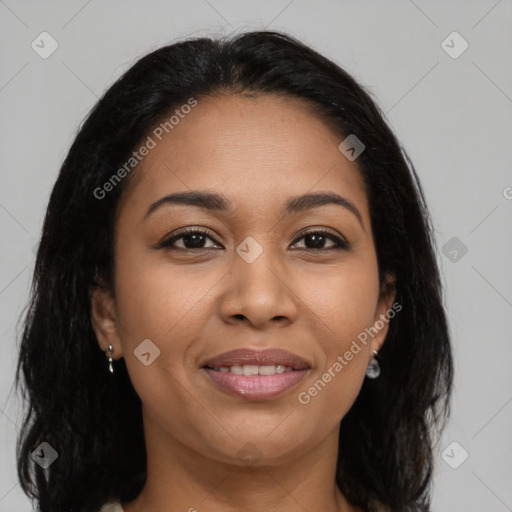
(104, 318)
(384, 311)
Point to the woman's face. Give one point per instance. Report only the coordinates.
(255, 281)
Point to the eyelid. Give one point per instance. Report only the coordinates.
(320, 229)
(340, 241)
(167, 240)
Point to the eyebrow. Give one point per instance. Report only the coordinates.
(217, 202)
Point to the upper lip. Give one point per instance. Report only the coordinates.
(260, 357)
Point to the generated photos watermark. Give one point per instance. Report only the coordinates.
(150, 143)
(305, 397)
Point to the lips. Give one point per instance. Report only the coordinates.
(256, 387)
(256, 374)
(266, 357)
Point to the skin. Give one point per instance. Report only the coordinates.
(194, 304)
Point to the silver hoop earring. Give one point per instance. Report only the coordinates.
(111, 350)
(373, 370)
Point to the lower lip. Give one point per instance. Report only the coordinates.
(256, 387)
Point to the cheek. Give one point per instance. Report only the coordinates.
(167, 305)
(160, 304)
(155, 298)
(344, 306)
(344, 301)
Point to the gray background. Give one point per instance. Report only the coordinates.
(453, 116)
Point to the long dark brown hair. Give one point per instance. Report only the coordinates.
(93, 419)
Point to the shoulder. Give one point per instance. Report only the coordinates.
(112, 506)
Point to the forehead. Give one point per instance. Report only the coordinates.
(255, 150)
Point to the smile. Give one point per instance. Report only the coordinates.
(254, 369)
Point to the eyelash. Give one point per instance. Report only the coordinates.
(340, 243)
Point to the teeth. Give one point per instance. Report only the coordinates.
(253, 369)
(250, 369)
(267, 370)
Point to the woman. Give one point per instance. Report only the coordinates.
(236, 303)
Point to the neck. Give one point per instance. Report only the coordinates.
(181, 478)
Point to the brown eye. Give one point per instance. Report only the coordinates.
(195, 239)
(315, 240)
(191, 239)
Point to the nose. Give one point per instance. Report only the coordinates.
(259, 293)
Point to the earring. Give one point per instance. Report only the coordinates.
(373, 370)
(111, 350)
